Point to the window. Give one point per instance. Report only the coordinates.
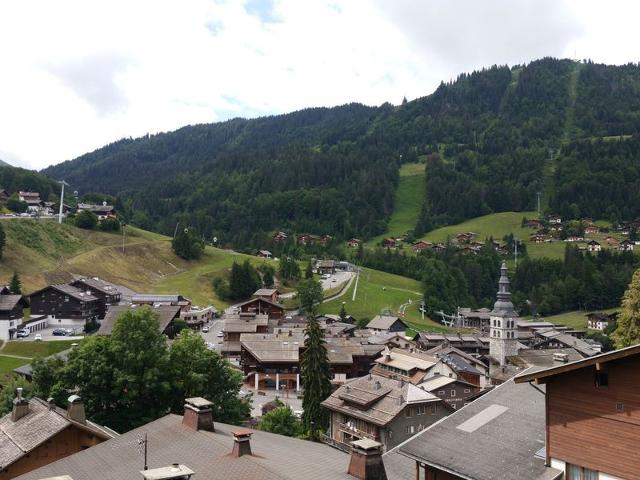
(441, 392)
(602, 379)
(421, 409)
(575, 472)
(467, 390)
(453, 393)
(407, 412)
(410, 429)
(434, 409)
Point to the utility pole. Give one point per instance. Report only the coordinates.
(515, 243)
(123, 225)
(175, 232)
(61, 201)
(538, 195)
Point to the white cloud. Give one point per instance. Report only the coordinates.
(79, 74)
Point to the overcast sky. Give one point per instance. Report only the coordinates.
(76, 75)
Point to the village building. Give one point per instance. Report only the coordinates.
(612, 241)
(391, 340)
(421, 245)
(32, 199)
(270, 294)
(555, 219)
(37, 433)
(153, 299)
(101, 211)
(280, 237)
(532, 223)
(66, 305)
(466, 366)
(326, 267)
(501, 435)
(101, 289)
(203, 450)
(591, 429)
(503, 338)
(474, 344)
(197, 317)
(272, 360)
(261, 305)
(591, 229)
(601, 321)
(594, 246)
(167, 315)
(264, 254)
(4, 195)
(11, 314)
(387, 323)
(354, 242)
(537, 238)
(455, 392)
(553, 338)
(381, 409)
(625, 246)
(411, 366)
(389, 243)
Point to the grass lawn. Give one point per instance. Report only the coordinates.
(407, 201)
(31, 349)
(576, 319)
(379, 291)
(7, 364)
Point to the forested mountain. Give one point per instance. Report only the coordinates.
(491, 140)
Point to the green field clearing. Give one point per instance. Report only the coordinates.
(31, 349)
(496, 225)
(407, 202)
(7, 364)
(576, 319)
(379, 291)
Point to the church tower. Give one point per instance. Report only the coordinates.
(503, 340)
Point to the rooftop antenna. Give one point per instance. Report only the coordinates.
(63, 183)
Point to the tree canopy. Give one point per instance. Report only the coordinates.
(627, 332)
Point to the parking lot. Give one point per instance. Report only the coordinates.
(47, 335)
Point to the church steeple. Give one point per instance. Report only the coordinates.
(503, 340)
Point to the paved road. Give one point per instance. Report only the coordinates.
(211, 336)
(269, 395)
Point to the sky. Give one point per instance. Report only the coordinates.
(77, 75)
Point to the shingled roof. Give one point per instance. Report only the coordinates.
(19, 438)
(376, 399)
(208, 454)
(495, 436)
(9, 302)
(383, 322)
(73, 292)
(166, 313)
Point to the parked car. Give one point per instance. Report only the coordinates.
(59, 332)
(220, 333)
(23, 333)
(205, 329)
(326, 276)
(38, 337)
(69, 331)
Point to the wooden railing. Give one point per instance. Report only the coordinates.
(351, 430)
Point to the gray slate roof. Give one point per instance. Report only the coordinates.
(206, 453)
(73, 292)
(9, 302)
(382, 322)
(165, 312)
(100, 285)
(376, 399)
(495, 437)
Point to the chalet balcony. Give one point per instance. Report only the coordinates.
(355, 432)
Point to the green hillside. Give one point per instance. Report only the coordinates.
(377, 292)
(407, 202)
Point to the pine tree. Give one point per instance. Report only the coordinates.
(628, 331)
(16, 285)
(316, 379)
(343, 313)
(308, 273)
(2, 240)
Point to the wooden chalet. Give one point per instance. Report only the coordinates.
(389, 243)
(592, 415)
(280, 237)
(326, 267)
(264, 254)
(270, 294)
(102, 211)
(261, 305)
(591, 229)
(600, 320)
(626, 246)
(66, 305)
(454, 391)
(36, 433)
(105, 291)
(167, 315)
(354, 242)
(387, 323)
(594, 246)
(421, 246)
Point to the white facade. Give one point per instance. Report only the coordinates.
(6, 325)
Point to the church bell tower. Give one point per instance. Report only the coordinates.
(503, 342)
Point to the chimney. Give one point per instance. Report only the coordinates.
(366, 460)
(51, 403)
(75, 410)
(241, 442)
(197, 414)
(20, 406)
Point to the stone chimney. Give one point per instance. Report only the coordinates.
(366, 460)
(20, 406)
(241, 442)
(75, 410)
(197, 414)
